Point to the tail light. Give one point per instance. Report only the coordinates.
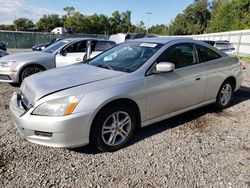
(242, 65)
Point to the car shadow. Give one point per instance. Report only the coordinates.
(240, 96)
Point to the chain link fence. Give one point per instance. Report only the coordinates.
(14, 39)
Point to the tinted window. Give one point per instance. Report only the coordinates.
(103, 45)
(77, 47)
(206, 54)
(209, 42)
(181, 55)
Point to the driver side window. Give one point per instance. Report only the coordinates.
(181, 55)
(78, 47)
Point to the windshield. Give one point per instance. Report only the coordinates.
(224, 46)
(52, 48)
(126, 57)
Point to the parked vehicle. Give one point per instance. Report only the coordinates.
(3, 53)
(41, 47)
(3, 46)
(224, 46)
(132, 85)
(59, 30)
(122, 37)
(16, 67)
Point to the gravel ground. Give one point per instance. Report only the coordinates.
(202, 148)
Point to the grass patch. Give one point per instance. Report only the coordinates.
(245, 59)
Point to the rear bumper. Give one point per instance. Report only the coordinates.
(239, 80)
(64, 132)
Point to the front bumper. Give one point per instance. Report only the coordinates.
(64, 131)
(8, 74)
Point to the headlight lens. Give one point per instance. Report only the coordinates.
(7, 63)
(58, 107)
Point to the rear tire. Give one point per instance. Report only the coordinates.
(225, 95)
(28, 71)
(113, 127)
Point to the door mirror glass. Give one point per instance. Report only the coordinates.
(165, 67)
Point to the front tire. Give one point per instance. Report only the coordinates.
(113, 127)
(28, 71)
(225, 95)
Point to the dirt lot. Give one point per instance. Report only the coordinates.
(202, 148)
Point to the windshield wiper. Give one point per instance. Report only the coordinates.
(105, 66)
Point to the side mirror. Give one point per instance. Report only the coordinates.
(63, 52)
(165, 67)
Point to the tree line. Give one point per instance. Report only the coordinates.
(205, 16)
(202, 16)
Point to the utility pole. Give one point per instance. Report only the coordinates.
(149, 14)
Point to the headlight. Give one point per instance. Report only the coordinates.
(58, 107)
(7, 63)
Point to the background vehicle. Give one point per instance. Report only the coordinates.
(3, 46)
(14, 68)
(224, 46)
(132, 85)
(41, 47)
(122, 37)
(3, 53)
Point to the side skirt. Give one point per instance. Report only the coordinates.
(172, 114)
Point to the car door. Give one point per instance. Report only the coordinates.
(182, 88)
(100, 46)
(74, 53)
(214, 67)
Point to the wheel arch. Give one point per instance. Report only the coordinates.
(126, 101)
(21, 69)
(232, 79)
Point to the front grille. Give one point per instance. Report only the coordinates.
(4, 77)
(23, 102)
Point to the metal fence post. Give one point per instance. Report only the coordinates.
(238, 49)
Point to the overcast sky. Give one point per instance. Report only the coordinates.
(163, 11)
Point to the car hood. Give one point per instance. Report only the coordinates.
(26, 55)
(54, 80)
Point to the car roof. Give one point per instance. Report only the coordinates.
(78, 38)
(163, 40)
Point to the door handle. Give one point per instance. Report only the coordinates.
(78, 59)
(198, 78)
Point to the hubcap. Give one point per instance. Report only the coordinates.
(116, 128)
(226, 94)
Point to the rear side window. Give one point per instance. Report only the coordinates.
(206, 54)
(182, 55)
(103, 45)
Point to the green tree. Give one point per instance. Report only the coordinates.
(76, 21)
(126, 21)
(49, 22)
(23, 24)
(159, 29)
(139, 28)
(70, 11)
(193, 20)
(230, 15)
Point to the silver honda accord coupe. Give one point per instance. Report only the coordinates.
(137, 83)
